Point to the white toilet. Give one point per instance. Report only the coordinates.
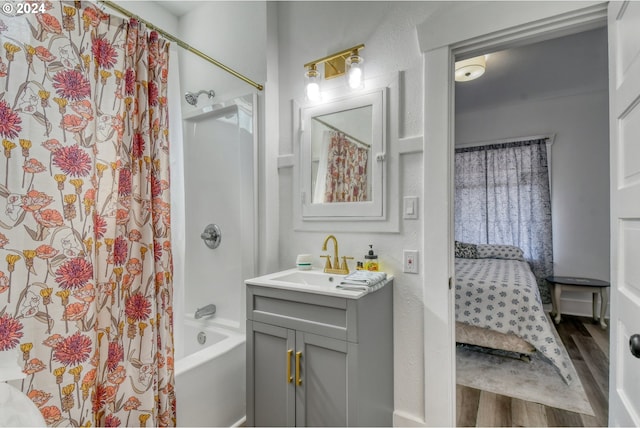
(16, 409)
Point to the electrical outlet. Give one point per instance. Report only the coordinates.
(410, 261)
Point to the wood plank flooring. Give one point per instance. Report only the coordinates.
(588, 347)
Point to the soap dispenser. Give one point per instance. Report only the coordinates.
(371, 260)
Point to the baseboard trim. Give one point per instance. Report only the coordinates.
(402, 419)
(576, 306)
(580, 307)
(242, 422)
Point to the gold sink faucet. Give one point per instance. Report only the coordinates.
(335, 267)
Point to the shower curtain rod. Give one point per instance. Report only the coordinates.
(182, 44)
(354, 139)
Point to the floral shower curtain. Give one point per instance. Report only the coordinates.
(346, 179)
(502, 196)
(86, 284)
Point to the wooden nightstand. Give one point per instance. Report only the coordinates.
(588, 285)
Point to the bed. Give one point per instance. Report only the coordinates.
(498, 304)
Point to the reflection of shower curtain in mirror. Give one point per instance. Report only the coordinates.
(346, 178)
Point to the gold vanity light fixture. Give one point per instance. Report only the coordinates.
(347, 62)
(470, 69)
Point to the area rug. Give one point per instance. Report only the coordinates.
(536, 381)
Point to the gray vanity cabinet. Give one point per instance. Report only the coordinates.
(317, 360)
(270, 393)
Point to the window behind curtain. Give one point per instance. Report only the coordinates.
(502, 197)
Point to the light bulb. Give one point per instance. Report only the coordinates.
(313, 91)
(355, 78)
(355, 72)
(312, 87)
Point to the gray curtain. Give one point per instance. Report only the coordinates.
(502, 197)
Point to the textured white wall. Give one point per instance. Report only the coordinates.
(310, 30)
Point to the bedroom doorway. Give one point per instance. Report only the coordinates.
(556, 89)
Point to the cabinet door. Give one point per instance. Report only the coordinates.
(270, 375)
(321, 396)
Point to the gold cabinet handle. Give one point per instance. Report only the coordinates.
(298, 378)
(289, 355)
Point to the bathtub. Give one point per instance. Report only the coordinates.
(210, 377)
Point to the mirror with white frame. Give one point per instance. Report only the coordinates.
(346, 169)
(342, 158)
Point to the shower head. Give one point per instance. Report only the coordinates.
(192, 98)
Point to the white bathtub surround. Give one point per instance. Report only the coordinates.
(210, 377)
(176, 168)
(219, 154)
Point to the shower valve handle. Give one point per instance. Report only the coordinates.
(212, 236)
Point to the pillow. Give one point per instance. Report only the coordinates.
(466, 251)
(496, 251)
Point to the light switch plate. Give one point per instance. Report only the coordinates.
(410, 261)
(410, 208)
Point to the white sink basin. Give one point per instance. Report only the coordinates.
(309, 281)
(316, 278)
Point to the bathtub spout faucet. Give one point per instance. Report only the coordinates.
(205, 311)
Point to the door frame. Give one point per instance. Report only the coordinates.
(461, 32)
(624, 89)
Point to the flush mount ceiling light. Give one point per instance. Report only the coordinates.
(470, 69)
(347, 62)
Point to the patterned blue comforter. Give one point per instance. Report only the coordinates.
(502, 295)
